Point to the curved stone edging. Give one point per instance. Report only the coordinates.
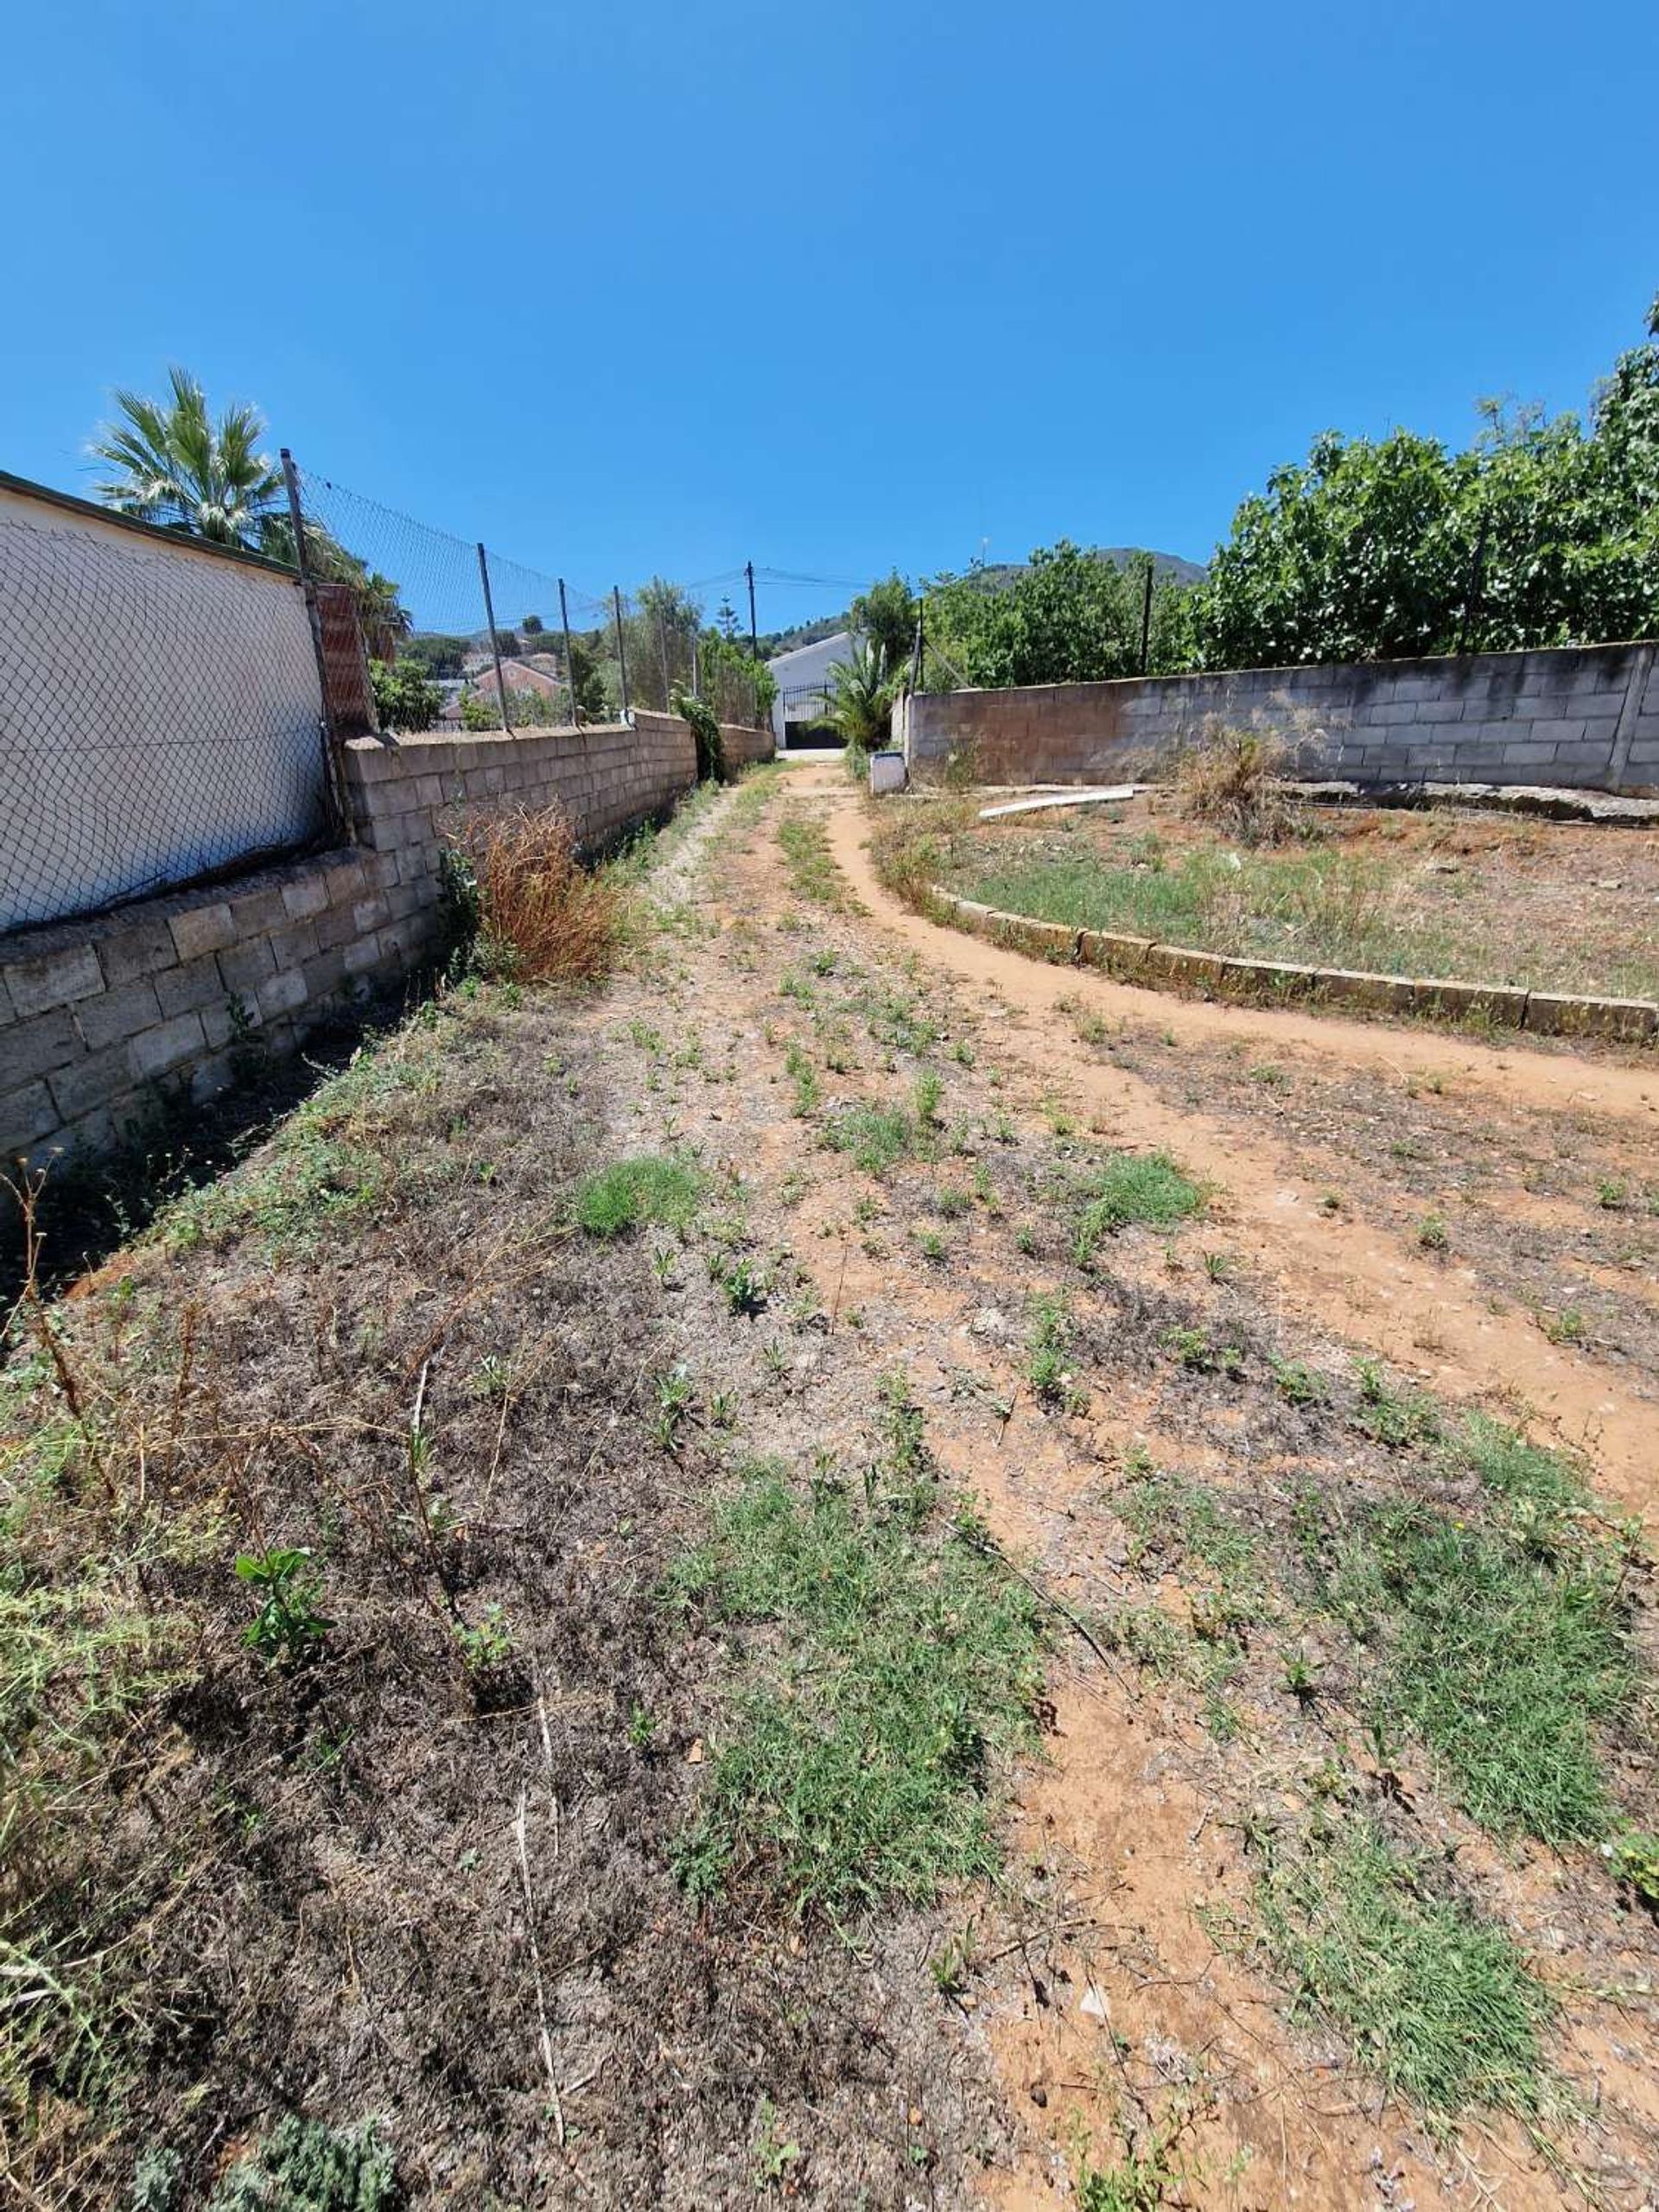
(1139, 960)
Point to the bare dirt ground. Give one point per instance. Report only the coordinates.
(1112, 2008)
(1106, 2016)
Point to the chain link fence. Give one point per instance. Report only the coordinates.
(169, 707)
(159, 709)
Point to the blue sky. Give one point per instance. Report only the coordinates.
(652, 287)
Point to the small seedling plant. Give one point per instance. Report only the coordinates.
(287, 1628)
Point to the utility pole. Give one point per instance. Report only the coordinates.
(569, 657)
(920, 647)
(495, 646)
(754, 635)
(621, 646)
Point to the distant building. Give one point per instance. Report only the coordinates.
(803, 679)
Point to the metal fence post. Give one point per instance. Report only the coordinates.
(621, 646)
(754, 635)
(569, 657)
(333, 781)
(495, 646)
(1146, 622)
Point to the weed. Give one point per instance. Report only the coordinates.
(487, 1645)
(556, 921)
(877, 1137)
(1432, 1234)
(306, 2167)
(624, 1196)
(288, 1627)
(925, 1098)
(642, 1727)
(953, 1962)
(772, 2157)
(1635, 1861)
(1048, 1348)
(1395, 1417)
(811, 870)
(932, 1246)
(1568, 1326)
(1147, 1187)
(804, 1076)
(1195, 1353)
(1612, 1194)
(859, 1759)
(1297, 1382)
(1218, 1265)
(746, 1285)
(1438, 2003)
(675, 1393)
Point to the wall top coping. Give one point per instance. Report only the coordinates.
(175, 541)
(39, 940)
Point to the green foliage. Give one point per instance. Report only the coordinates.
(624, 1196)
(404, 698)
(436, 653)
(287, 1626)
(705, 728)
(858, 1765)
(885, 617)
(878, 1137)
(861, 690)
(305, 2166)
(1541, 533)
(1132, 1186)
(174, 464)
(1436, 2002)
(1050, 1341)
(1069, 616)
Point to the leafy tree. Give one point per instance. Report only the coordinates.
(886, 615)
(531, 626)
(437, 652)
(1069, 617)
(172, 464)
(404, 697)
(586, 677)
(1543, 532)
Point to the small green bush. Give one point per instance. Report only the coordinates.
(624, 1196)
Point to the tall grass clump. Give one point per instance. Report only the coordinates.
(1234, 776)
(541, 916)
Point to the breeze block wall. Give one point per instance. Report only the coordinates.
(105, 1018)
(1584, 717)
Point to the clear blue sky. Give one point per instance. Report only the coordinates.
(649, 286)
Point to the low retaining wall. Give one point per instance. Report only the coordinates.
(1216, 974)
(105, 1020)
(1586, 717)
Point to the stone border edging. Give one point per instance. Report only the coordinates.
(1139, 960)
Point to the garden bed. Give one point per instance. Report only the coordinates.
(1444, 892)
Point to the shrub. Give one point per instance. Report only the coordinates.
(1234, 776)
(705, 728)
(403, 699)
(561, 922)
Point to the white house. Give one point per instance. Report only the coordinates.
(802, 677)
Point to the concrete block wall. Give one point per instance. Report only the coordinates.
(1582, 717)
(103, 1019)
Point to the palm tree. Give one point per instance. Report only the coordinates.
(861, 696)
(175, 465)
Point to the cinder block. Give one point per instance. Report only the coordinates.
(157, 1050)
(193, 983)
(243, 967)
(26, 1116)
(36, 1047)
(325, 976)
(1113, 951)
(360, 954)
(1555, 1014)
(1494, 1002)
(308, 896)
(370, 914)
(53, 979)
(137, 949)
(202, 929)
(282, 994)
(92, 1081)
(115, 1014)
(1185, 966)
(257, 911)
(1373, 994)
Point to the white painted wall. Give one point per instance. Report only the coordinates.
(159, 710)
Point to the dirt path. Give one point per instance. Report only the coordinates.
(1354, 1278)
(1111, 2011)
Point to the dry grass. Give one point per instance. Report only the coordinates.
(555, 920)
(1234, 776)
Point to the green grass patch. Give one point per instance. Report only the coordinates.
(1436, 2002)
(1500, 1636)
(861, 1765)
(629, 1193)
(878, 1137)
(806, 849)
(1185, 1521)
(1132, 1186)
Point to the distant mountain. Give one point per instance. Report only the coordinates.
(997, 575)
